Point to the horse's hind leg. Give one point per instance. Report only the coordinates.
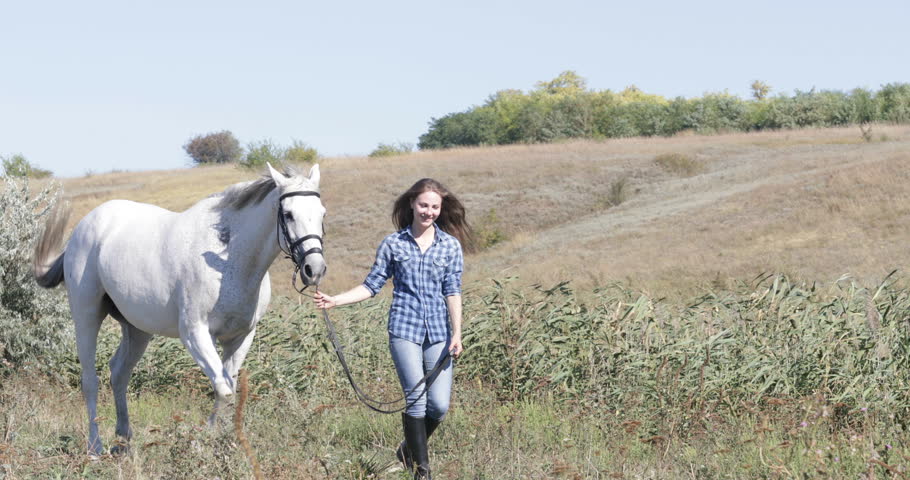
(132, 345)
(88, 322)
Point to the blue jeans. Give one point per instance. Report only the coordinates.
(412, 362)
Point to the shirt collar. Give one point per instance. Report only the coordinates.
(436, 238)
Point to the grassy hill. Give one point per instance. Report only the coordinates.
(666, 215)
(685, 369)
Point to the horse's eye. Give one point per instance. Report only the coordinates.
(288, 216)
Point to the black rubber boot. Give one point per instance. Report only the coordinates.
(431, 424)
(415, 436)
(404, 456)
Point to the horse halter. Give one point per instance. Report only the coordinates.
(283, 230)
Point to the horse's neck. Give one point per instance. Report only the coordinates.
(253, 243)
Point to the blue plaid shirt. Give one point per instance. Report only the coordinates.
(421, 282)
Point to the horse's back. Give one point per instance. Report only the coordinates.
(117, 250)
(116, 223)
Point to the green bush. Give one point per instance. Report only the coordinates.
(716, 112)
(863, 107)
(568, 117)
(300, 152)
(18, 166)
(473, 127)
(35, 330)
(489, 230)
(260, 152)
(894, 102)
(390, 150)
(212, 148)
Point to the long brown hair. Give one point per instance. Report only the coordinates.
(451, 218)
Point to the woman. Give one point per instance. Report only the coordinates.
(425, 260)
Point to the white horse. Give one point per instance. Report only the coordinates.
(201, 275)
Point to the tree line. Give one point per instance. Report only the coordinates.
(565, 108)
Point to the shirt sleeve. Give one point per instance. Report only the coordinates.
(451, 282)
(382, 269)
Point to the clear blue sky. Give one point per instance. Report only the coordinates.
(95, 86)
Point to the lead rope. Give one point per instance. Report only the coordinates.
(372, 403)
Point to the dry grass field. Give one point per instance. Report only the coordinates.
(664, 387)
(815, 204)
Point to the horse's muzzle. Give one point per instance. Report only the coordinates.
(312, 269)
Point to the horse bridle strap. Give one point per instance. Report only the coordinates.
(283, 230)
(283, 226)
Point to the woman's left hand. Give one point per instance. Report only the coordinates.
(455, 348)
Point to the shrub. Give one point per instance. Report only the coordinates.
(569, 117)
(218, 147)
(18, 166)
(488, 231)
(530, 122)
(35, 330)
(477, 126)
(389, 150)
(619, 191)
(894, 102)
(679, 164)
(716, 112)
(646, 118)
(300, 152)
(258, 153)
(38, 172)
(863, 105)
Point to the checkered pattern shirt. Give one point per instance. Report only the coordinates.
(421, 282)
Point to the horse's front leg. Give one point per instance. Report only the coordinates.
(234, 352)
(197, 339)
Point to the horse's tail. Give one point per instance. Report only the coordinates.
(49, 250)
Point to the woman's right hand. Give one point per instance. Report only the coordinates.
(324, 301)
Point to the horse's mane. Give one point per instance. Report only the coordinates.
(240, 195)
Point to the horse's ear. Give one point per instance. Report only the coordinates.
(277, 176)
(314, 174)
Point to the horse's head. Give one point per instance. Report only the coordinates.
(300, 215)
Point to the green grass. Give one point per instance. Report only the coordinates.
(768, 379)
(483, 438)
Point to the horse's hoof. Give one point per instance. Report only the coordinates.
(95, 451)
(120, 449)
(223, 391)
